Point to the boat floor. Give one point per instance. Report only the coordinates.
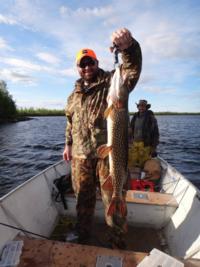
(137, 239)
(56, 252)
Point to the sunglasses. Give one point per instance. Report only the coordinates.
(86, 62)
(141, 105)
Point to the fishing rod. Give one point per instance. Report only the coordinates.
(25, 231)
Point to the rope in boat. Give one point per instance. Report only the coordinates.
(25, 231)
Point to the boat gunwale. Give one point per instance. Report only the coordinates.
(62, 161)
(179, 173)
(29, 180)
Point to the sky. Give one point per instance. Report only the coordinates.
(39, 40)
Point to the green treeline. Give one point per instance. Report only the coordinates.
(54, 112)
(172, 113)
(8, 109)
(40, 112)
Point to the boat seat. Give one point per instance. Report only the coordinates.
(145, 209)
(150, 209)
(41, 252)
(151, 198)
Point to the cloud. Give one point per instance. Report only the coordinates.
(166, 45)
(56, 103)
(7, 20)
(168, 34)
(61, 22)
(170, 45)
(194, 95)
(21, 68)
(4, 45)
(70, 72)
(24, 64)
(102, 12)
(48, 58)
(16, 76)
(35, 103)
(64, 10)
(159, 90)
(146, 78)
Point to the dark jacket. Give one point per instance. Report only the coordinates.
(150, 131)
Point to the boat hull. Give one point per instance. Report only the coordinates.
(176, 210)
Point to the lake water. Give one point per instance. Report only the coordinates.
(28, 147)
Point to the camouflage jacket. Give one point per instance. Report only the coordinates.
(86, 125)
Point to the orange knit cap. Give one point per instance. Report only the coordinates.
(85, 52)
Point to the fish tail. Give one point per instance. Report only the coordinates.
(103, 151)
(117, 205)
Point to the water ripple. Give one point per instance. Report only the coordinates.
(28, 147)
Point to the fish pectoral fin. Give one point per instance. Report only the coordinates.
(117, 205)
(103, 151)
(107, 185)
(108, 111)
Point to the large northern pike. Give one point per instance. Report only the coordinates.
(117, 144)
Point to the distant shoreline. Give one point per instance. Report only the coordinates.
(130, 113)
(13, 120)
(24, 115)
(172, 113)
(32, 112)
(46, 112)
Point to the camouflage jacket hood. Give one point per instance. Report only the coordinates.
(86, 125)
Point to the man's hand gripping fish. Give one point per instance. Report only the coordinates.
(117, 144)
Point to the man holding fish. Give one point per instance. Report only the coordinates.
(97, 135)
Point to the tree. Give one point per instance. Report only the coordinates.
(7, 105)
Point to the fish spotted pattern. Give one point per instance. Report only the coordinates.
(117, 144)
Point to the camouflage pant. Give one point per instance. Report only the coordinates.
(86, 175)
